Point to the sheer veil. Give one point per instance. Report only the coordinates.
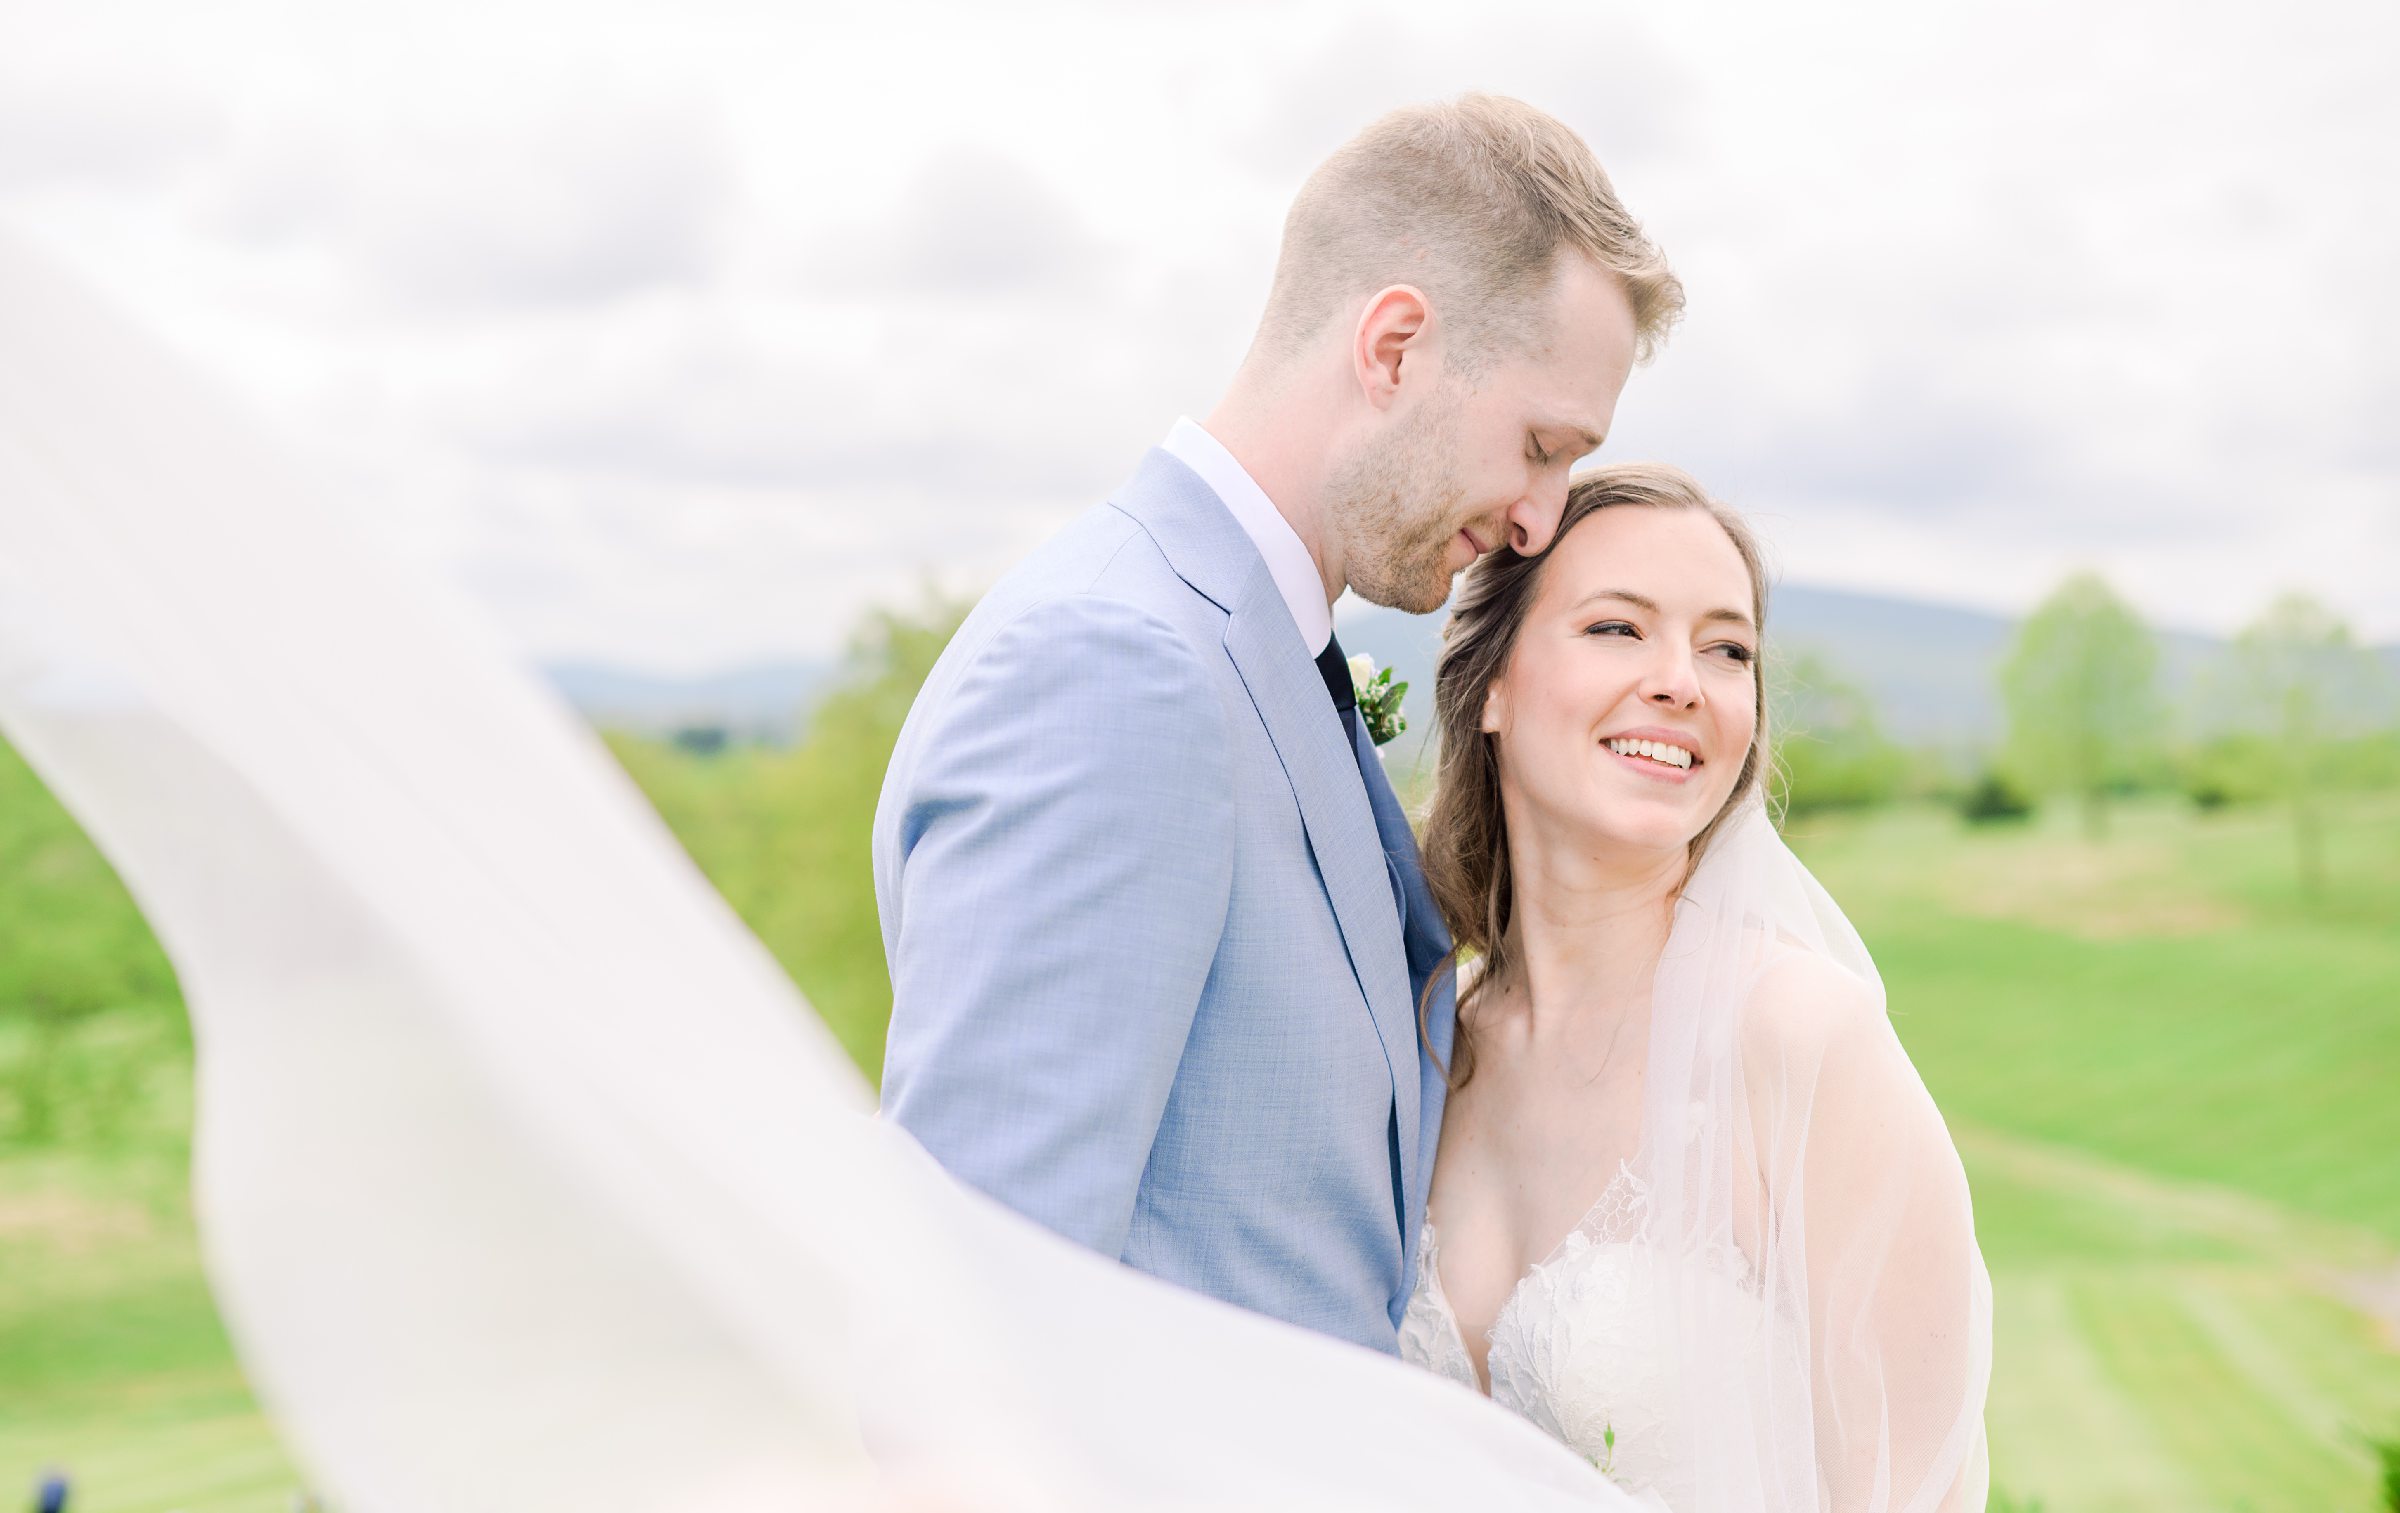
(1787, 1140)
(527, 1181)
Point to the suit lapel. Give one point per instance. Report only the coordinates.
(1208, 548)
(1426, 941)
(1342, 835)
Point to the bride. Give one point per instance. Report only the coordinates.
(1693, 1212)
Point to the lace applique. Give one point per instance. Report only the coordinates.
(1581, 1346)
(1429, 1334)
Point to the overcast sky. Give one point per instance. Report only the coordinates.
(683, 334)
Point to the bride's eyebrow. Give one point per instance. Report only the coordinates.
(1644, 602)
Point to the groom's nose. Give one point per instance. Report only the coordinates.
(1533, 519)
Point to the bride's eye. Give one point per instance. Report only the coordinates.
(1736, 651)
(1609, 627)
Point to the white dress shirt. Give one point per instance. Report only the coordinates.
(1288, 561)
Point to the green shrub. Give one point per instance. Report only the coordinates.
(1995, 800)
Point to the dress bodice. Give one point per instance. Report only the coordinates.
(1586, 1346)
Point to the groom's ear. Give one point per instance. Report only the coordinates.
(1390, 345)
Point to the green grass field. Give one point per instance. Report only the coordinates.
(2176, 1084)
(112, 1361)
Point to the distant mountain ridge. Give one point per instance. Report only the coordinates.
(1929, 668)
(765, 701)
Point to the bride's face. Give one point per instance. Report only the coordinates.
(1629, 701)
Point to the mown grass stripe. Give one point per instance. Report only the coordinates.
(121, 1460)
(2061, 1429)
(2236, 1440)
(2339, 1350)
(2274, 1365)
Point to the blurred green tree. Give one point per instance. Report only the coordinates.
(2080, 686)
(787, 836)
(1830, 749)
(2301, 682)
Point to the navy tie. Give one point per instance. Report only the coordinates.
(1334, 668)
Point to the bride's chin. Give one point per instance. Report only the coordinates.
(1579, 829)
(1631, 842)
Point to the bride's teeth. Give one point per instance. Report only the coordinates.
(1656, 751)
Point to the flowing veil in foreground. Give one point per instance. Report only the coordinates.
(526, 1179)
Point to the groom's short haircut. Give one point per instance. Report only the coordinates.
(1470, 200)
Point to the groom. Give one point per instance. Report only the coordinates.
(1155, 922)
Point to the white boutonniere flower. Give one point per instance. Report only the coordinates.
(1378, 699)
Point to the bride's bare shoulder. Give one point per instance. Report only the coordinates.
(1802, 1004)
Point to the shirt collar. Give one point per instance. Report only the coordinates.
(1287, 558)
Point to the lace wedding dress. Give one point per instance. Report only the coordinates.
(1778, 1303)
(1579, 1347)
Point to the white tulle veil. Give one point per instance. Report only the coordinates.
(1786, 1140)
(527, 1181)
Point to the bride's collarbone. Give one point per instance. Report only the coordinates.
(1528, 1127)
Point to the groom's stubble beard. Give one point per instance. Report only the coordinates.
(1397, 508)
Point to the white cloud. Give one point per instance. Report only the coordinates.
(56, 132)
(972, 226)
(475, 216)
(685, 334)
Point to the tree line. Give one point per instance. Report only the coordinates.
(2293, 711)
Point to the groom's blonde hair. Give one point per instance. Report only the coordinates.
(1470, 200)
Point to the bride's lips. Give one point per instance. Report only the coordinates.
(1657, 772)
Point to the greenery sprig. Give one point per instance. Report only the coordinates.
(1378, 699)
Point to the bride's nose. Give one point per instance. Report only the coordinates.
(1671, 680)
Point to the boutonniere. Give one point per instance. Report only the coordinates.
(1378, 699)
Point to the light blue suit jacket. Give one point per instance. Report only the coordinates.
(1155, 944)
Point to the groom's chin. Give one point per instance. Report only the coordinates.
(1417, 593)
(1415, 599)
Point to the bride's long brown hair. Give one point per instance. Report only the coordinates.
(1465, 841)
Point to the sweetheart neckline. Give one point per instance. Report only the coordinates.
(1430, 1244)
